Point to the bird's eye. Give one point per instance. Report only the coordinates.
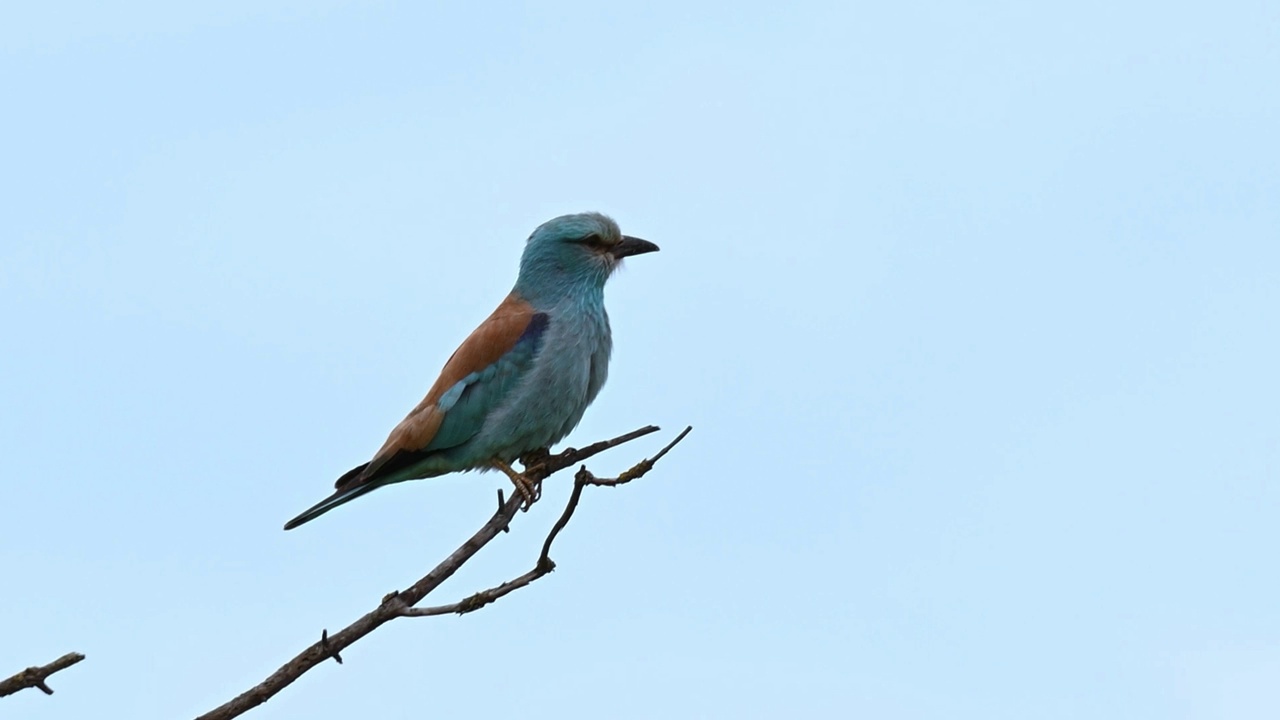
(593, 241)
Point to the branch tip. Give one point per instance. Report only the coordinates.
(35, 676)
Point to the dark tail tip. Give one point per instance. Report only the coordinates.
(329, 503)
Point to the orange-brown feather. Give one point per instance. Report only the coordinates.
(486, 344)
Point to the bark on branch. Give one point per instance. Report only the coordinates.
(402, 603)
(34, 677)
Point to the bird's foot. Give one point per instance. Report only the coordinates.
(528, 489)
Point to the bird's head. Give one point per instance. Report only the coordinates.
(575, 250)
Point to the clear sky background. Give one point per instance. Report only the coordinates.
(973, 309)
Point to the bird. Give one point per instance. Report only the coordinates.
(523, 379)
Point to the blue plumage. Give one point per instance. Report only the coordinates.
(524, 378)
(482, 391)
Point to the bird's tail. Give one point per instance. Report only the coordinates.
(342, 495)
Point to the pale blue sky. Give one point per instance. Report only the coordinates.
(973, 309)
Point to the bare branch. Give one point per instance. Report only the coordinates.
(401, 604)
(545, 565)
(584, 478)
(480, 599)
(35, 676)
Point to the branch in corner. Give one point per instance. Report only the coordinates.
(34, 677)
(402, 603)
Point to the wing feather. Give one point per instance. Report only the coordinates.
(474, 380)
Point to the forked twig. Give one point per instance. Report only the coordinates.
(35, 676)
(401, 603)
(545, 565)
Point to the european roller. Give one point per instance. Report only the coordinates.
(523, 379)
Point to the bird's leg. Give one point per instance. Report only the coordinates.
(534, 457)
(528, 490)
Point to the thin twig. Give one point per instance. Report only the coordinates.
(35, 676)
(401, 603)
(584, 478)
(545, 565)
(477, 601)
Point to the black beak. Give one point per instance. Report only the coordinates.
(632, 246)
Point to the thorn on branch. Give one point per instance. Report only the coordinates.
(328, 650)
(502, 501)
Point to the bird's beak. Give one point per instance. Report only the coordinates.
(632, 246)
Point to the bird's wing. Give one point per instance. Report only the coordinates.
(474, 381)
